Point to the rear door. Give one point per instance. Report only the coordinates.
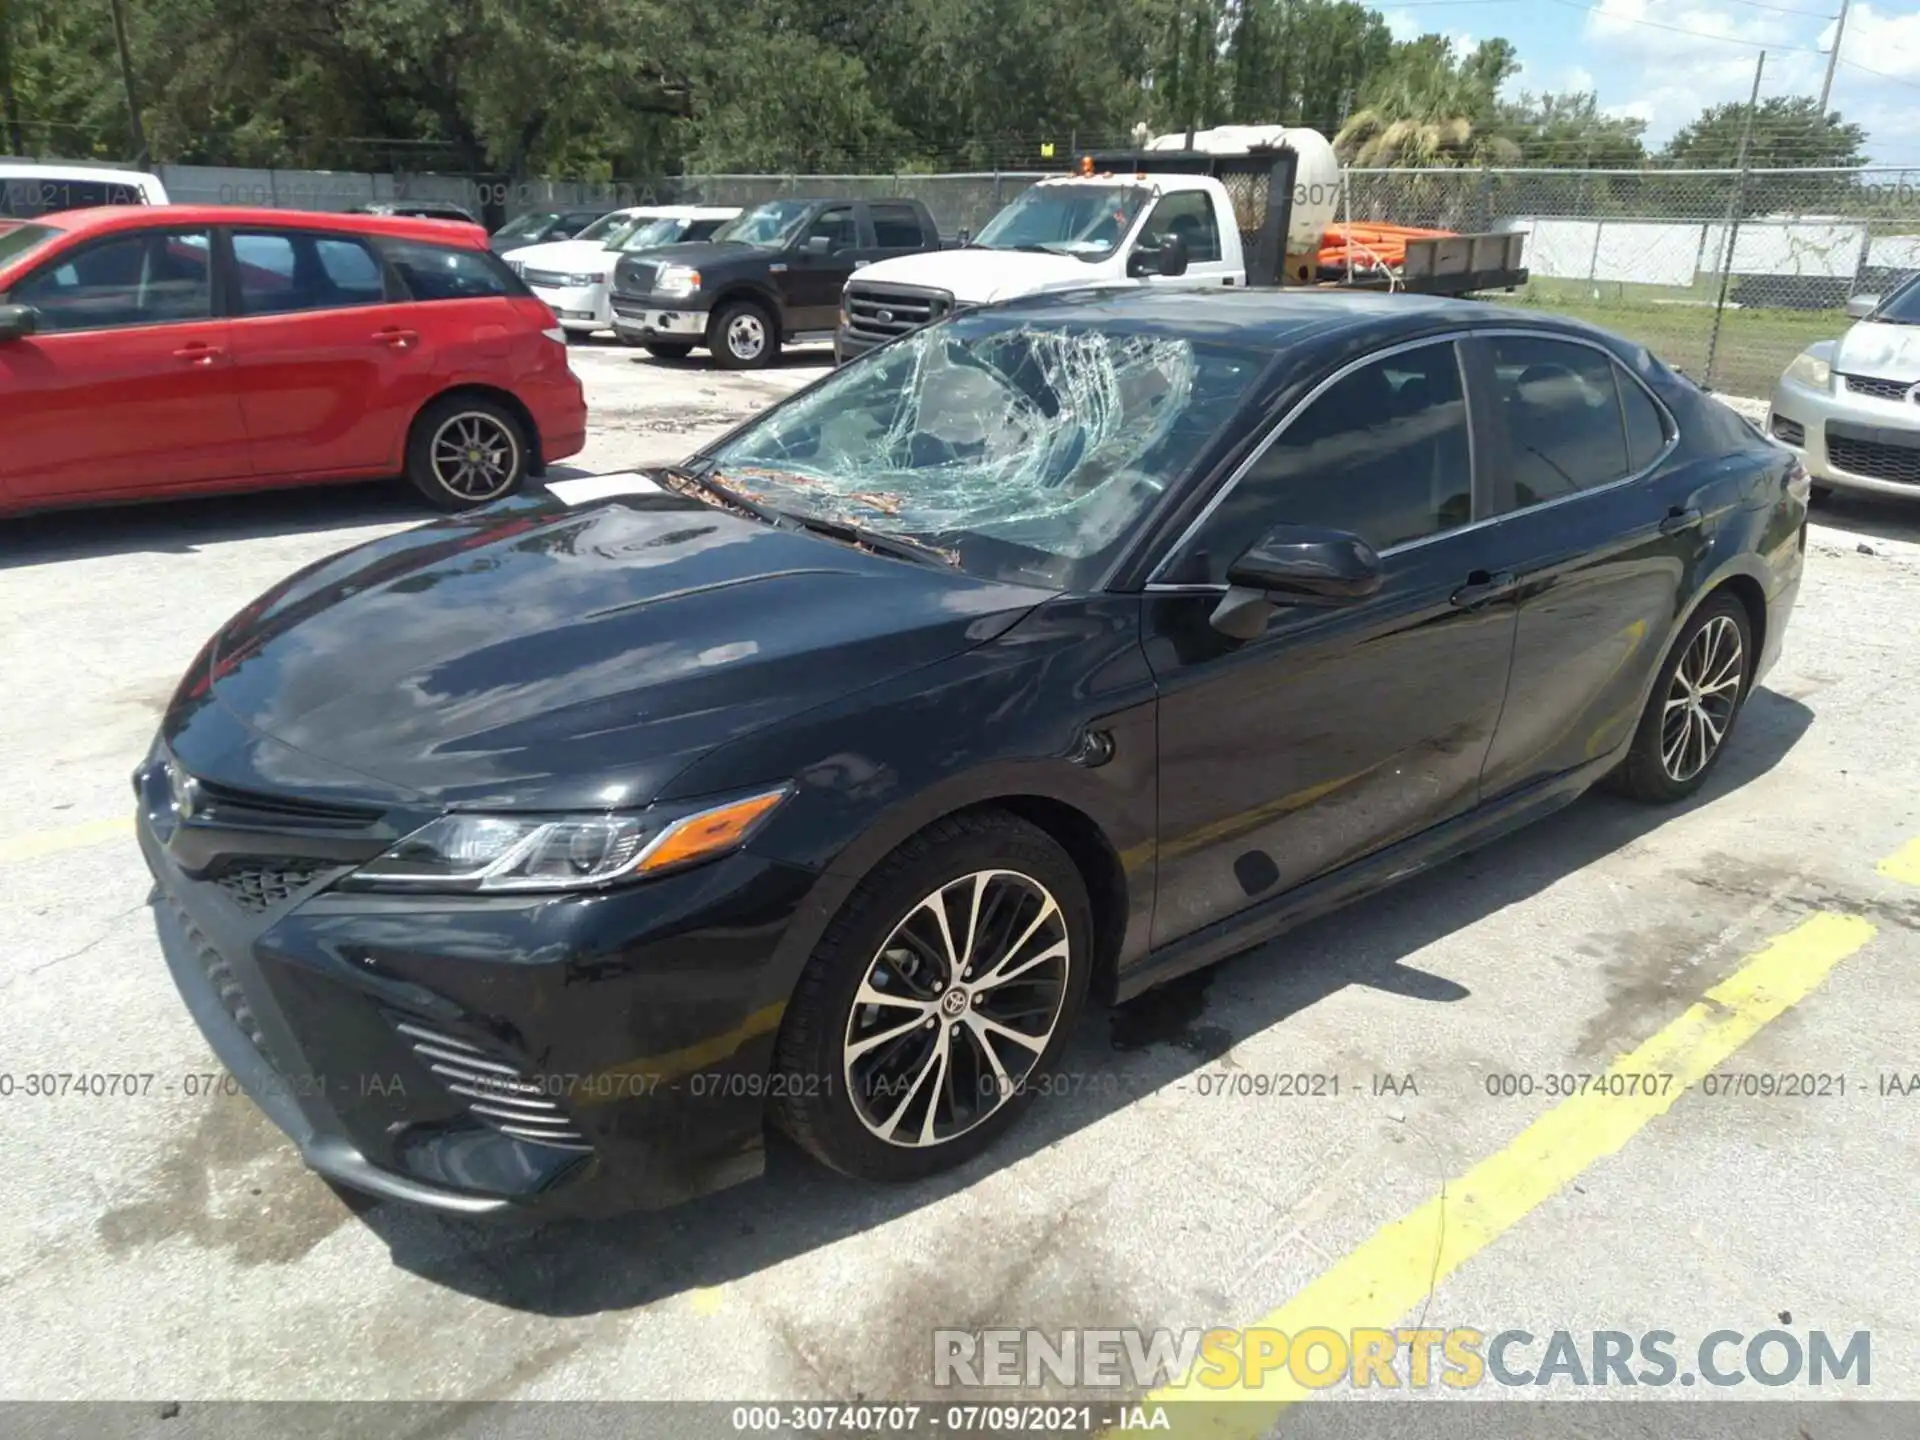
(897, 230)
(328, 353)
(1599, 536)
(127, 386)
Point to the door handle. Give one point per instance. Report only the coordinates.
(397, 338)
(1679, 519)
(198, 353)
(1482, 587)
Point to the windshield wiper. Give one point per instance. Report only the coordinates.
(725, 494)
(898, 546)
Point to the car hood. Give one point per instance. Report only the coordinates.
(705, 254)
(547, 655)
(979, 277)
(1887, 352)
(568, 256)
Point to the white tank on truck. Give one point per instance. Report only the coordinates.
(1316, 176)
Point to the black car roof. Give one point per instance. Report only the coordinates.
(1268, 317)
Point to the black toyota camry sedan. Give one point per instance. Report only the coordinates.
(543, 857)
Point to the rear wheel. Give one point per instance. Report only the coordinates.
(1691, 712)
(670, 349)
(466, 450)
(743, 336)
(945, 988)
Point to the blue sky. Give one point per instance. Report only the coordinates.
(1634, 56)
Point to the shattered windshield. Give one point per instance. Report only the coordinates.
(1023, 451)
(1085, 221)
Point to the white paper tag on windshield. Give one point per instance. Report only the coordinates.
(598, 487)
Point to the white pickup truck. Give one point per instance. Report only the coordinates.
(1241, 206)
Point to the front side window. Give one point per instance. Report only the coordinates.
(153, 277)
(1564, 417)
(771, 226)
(836, 227)
(1383, 454)
(1030, 452)
(447, 272)
(278, 273)
(1084, 220)
(1187, 214)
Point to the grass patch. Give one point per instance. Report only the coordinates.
(1755, 345)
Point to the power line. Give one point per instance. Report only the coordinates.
(1896, 79)
(1783, 10)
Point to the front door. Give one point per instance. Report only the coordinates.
(1343, 729)
(1189, 215)
(127, 385)
(818, 268)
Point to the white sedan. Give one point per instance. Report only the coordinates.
(574, 277)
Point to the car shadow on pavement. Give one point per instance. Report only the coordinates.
(1885, 517)
(180, 527)
(576, 1268)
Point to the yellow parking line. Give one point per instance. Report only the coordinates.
(35, 844)
(1903, 864)
(1391, 1273)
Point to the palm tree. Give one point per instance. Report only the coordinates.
(1427, 109)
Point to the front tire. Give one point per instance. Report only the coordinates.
(743, 336)
(466, 450)
(946, 986)
(1690, 715)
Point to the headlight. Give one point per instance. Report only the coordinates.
(676, 280)
(1810, 369)
(572, 852)
(582, 279)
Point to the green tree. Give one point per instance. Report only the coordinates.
(1302, 61)
(1570, 131)
(1430, 107)
(1788, 132)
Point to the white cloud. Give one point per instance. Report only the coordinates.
(1889, 44)
(1403, 25)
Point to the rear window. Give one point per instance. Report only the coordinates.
(24, 196)
(448, 272)
(896, 227)
(17, 240)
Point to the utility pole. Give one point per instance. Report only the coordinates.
(126, 78)
(1735, 208)
(1833, 58)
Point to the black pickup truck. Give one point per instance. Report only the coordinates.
(770, 276)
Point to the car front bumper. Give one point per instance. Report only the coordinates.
(652, 317)
(581, 1055)
(584, 308)
(1847, 440)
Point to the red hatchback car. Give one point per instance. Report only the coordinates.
(155, 351)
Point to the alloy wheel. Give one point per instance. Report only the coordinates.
(746, 336)
(1702, 698)
(957, 1007)
(474, 456)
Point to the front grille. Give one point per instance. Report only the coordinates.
(1874, 459)
(257, 886)
(1791, 431)
(221, 977)
(497, 1092)
(632, 309)
(880, 313)
(635, 277)
(548, 279)
(1879, 389)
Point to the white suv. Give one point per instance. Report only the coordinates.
(29, 188)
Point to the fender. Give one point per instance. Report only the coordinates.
(757, 291)
(1742, 564)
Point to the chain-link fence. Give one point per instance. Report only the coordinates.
(1726, 275)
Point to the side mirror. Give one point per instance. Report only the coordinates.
(1295, 565)
(1173, 257)
(1861, 306)
(1168, 258)
(817, 245)
(18, 321)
